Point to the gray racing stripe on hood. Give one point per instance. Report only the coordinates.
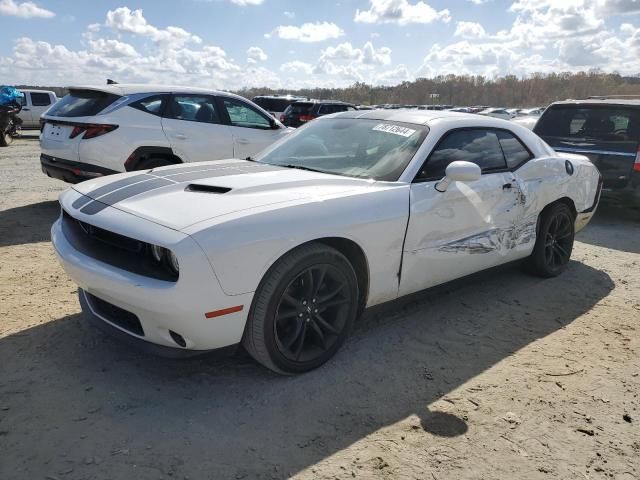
(136, 185)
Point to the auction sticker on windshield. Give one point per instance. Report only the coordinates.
(395, 129)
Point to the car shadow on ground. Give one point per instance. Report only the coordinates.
(28, 223)
(69, 393)
(613, 215)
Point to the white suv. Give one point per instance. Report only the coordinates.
(96, 131)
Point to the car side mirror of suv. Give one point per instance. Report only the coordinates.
(459, 171)
(273, 124)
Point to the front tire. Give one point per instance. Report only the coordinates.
(5, 139)
(554, 242)
(303, 310)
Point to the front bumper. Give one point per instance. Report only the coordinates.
(162, 308)
(71, 172)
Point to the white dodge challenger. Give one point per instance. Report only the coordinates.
(282, 252)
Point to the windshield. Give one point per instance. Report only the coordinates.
(272, 104)
(82, 103)
(594, 122)
(375, 149)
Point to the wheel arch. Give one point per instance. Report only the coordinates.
(565, 200)
(144, 153)
(352, 251)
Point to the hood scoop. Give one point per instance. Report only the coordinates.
(195, 187)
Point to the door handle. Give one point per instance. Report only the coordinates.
(25, 109)
(180, 136)
(243, 141)
(507, 186)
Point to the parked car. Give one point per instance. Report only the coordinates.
(536, 112)
(299, 113)
(496, 113)
(97, 131)
(528, 121)
(275, 104)
(36, 102)
(607, 131)
(349, 211)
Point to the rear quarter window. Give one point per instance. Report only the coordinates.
(153, 104)
(595, 122)
(82, 103)
(40, 99)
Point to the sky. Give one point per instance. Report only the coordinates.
(287, 44)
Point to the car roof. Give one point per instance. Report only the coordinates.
(133, 88)
(313, 100)
(634, 102)
(423, 117)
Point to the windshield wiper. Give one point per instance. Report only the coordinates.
(300, 167)
(250, 159)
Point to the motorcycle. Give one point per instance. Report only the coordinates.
(10, 123)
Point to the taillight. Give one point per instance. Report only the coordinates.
(306, 118)
(636, 164)
(91, 130)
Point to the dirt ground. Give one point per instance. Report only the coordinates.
(498, 376)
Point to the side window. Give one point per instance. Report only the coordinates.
(473, 145)
(242, 115)
(153, 104)
(514, 151)
(40, 99)
(193, 108)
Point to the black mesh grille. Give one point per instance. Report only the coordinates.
(116, 315)
(114, 249)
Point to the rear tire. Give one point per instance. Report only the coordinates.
(149, 163)
(303, 310)
(554, 242)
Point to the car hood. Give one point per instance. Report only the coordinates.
(179, 196)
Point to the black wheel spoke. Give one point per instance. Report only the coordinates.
(320, 335)
(319, 281)
(290, 300)
(561, 251)
(322, 323)
(328, 296)
(295, 336)
(308, 283)
(300, 346)
(333, 303)
(283, 315)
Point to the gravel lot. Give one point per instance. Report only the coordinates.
(500, 375)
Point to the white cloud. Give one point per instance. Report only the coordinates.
(469, 30)
(619, 7)
(289, 15)
(401, 12)
(307, 32)
(24, 10)
(111, 48)
(367, 55)
(255, 55)
(132, 21)
(244, 3)
(297, 66)
(395, 76)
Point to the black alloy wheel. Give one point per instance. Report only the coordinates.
(554, 241)
(303, 309)
(312, 313)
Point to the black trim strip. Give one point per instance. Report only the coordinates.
(598, 193)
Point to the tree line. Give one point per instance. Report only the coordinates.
(465, 90)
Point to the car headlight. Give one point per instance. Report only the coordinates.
(165, 257)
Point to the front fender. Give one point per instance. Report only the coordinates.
(243, 247)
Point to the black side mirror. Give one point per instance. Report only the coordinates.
(273, 124)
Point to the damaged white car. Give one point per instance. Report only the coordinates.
(282, 252)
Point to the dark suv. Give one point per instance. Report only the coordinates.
(299, 113)
(275, 104)
(605, 129)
